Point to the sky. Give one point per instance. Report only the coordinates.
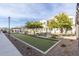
(22, 13)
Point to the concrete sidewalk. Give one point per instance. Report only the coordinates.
(69, 37)
(7, 48)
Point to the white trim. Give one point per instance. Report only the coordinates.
(28, 44)
(52, 47)
(35, 47)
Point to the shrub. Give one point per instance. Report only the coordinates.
(54, 36)
(68, 34)
(63, 45)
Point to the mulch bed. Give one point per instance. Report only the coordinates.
(24, 49)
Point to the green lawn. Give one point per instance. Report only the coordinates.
(40, 43)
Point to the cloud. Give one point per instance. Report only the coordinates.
(33, 11)
(5, 12)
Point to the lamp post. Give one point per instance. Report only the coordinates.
(77, 22)
(9, 23)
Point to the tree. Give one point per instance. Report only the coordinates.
(64, 22)
(68, 25)
(52, 24)
(34, 25)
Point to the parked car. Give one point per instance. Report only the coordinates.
(4, 31)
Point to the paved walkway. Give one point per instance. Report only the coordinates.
(7, 48)
(71, 48)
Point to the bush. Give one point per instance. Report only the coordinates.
(54, 36)
(63, 45)
(68, 34)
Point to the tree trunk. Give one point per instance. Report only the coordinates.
(50, 30)
(34, 31)
(46, 31)
(61, 30)
(55, 30)
(66, 31)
